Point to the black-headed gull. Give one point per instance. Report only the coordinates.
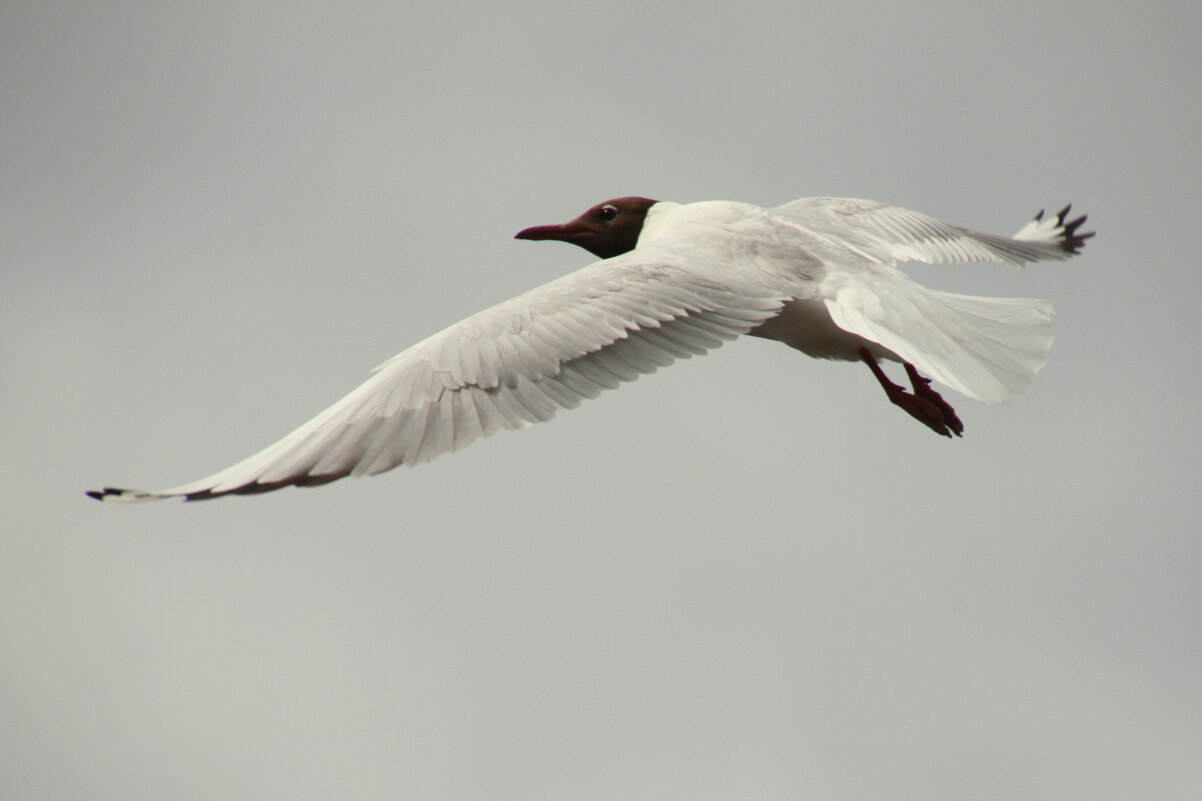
(818, 274)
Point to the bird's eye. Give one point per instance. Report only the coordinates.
(608, 212)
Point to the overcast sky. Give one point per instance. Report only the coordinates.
(746, 577)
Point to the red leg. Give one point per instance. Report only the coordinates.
(922, 388)
(925, 404)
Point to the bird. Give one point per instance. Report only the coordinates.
(675, 280)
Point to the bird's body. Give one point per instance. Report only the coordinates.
(818, 274)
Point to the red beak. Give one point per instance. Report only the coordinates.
(539, 232)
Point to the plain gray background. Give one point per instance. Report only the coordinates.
(746, 577)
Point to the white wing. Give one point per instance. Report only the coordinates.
(987, 348)
(891, 233)
(505, 368)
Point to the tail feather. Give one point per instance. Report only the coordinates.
(986, 348)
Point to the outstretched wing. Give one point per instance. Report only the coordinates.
(890, 233)
(505, 368)
(987, 348)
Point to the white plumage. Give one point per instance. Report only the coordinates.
(819, 274)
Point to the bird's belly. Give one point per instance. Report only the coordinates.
(807, 326)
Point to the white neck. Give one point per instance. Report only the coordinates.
(657, 215)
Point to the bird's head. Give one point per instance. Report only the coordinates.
(606, 230)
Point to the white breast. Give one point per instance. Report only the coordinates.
(807, 326)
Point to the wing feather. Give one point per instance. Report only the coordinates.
(505, 368)
(894, 233)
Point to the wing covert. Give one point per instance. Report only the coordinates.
(507, 367)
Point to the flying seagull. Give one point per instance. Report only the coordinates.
(674, 280)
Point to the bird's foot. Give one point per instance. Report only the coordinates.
(928, 412)
(922, 389)
(923, 404)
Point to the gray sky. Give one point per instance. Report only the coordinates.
(746, 577)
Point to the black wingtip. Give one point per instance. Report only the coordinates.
(101, 494)
(1070, 240)
(203, 495)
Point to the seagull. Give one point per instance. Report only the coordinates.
(676, 280)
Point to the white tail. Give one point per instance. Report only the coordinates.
(986, 348)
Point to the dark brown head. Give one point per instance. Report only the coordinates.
(606, 230)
